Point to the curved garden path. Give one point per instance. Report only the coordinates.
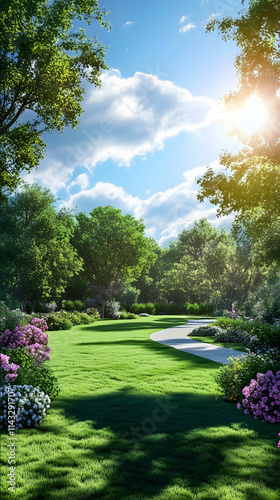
(177, 337)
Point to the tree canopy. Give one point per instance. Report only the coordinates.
(250, 186)
(37, 258)
(113, 248)
(43, 61)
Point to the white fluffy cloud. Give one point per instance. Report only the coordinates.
(187, 27)
(123, 119)
(182, 19)
(81, 180)
(165, 213)
(128, 23)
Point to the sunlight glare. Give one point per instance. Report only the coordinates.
(252, 116)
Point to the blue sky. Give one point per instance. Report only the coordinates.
(153, 126)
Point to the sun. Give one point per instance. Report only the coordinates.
(252, 116)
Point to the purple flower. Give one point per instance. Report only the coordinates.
(13, 367)
(4, 360)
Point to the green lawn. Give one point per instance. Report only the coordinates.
(139, 420)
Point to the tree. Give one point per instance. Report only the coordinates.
(36, 255)
(113, 248)
(211, 266)
(251, 189)
(42, 63)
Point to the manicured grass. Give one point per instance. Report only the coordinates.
(139, 420)
(229, 345)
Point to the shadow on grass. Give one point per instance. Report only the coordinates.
(127, 325)
(156, 442)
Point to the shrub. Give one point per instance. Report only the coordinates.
(262, 397)
(255, 346)
(138, 308)
(49, 307)
(9, 319)
(129, 296)
(30, 405)
(226, 323)
(267, 300)
(232, 378)
(91, 311)
(267, 333)
(210, 308)
(84, 319)
(68, 305)
(57, 321)
(192, 309)
(205, 331)
(233, 335)
(202, 308)
(174, 308)
(150, 308)
(29, 372)
(125, 315)
(79, 305)
(162, 308)
(112, 309)
(30, 336)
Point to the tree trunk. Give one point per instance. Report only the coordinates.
(22, 298)
(102, 309)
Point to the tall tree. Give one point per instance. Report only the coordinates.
(250, 186)
(43, 60)
(37, 258)
(113, 248)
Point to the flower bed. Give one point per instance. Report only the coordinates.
(262, 397)
(28, 405)
(23, 354)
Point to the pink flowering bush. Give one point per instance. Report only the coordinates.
(10, 368)
(31, 336)
(262, 397)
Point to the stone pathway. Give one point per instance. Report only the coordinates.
(177, 337)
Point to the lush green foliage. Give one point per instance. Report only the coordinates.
(248, 190)
(208, 266)
(148, 308)
(225, 322)
(30, 373)
(69, 305)
(62, 320)
(43, 61)
(9, 319)
(113, 248)
(264, 332)
(232, 378)
(37, 256)
(127, 315)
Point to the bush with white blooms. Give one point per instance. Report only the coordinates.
(30, 405)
